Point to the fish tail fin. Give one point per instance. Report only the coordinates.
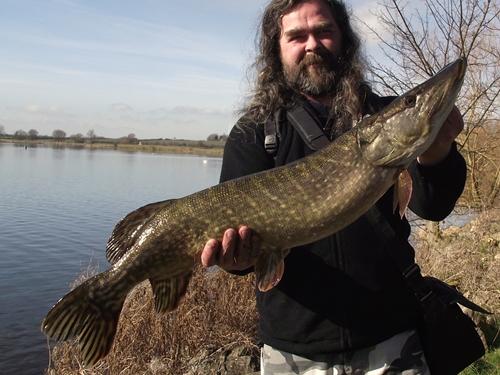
(88, 316)
(269, 268)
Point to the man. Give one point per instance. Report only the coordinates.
(342, 306)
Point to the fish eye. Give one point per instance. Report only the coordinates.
(410, 101)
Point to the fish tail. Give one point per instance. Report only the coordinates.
(88, 316)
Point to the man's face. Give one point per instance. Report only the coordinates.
(310, 45)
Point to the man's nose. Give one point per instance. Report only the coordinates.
(312, 43)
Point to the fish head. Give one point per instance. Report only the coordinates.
(396, 135)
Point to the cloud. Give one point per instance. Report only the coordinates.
(120, 107)
(131, 119)
(35, 108)
(186, 121)
(157, 111)
(194, 110)
(124, 36)
(66, 2)
(240, 5)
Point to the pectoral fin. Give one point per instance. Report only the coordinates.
(168, 292)
(402, 192)
(269, 268)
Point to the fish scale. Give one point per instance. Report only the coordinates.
(286, 207)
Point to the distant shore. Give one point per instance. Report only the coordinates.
(204, 148)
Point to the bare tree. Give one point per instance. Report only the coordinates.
(132, 138)
(417, 43)
(77, 138)
(129, 139)
(2, 130)
(59, 135)
(32, 134)
(213, 137)
(91, 136)
(20, 135)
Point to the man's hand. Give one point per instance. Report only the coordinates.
(238, 250)
(441, 146)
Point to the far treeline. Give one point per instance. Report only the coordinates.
(213, 144)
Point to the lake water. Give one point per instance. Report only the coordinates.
(57, 210)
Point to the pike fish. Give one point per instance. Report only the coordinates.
(286, 207)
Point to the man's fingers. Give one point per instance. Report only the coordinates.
(237, 250)
(228, 251)
(209, 253)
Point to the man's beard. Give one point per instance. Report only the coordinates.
(316, 82)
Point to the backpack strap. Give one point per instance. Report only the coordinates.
(306, 124)
(272, 132)
(308, 127)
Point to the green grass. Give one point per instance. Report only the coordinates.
(488, 365)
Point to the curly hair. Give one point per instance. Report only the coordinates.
(271, 89)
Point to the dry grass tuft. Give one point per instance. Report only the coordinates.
(468, 258)
(217, 315)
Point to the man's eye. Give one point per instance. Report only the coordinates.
(296, 38)
(325, 32)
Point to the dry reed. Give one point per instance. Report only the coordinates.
(217, 314)
(468, 258)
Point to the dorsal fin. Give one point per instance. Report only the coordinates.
(128, 229)
(168, 292)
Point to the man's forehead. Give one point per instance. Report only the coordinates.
(323, 11)
(316, 27)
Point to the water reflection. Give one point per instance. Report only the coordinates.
(58, 208)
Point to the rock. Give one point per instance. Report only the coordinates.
(239, 365)
(223, 362)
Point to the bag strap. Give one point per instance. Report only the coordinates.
(425, 287)
(303, 120)
(272, 132)
(410, 270)
(308, 127)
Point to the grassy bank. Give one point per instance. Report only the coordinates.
(206, 148)
(469, 258)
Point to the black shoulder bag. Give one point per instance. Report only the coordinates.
(449, 337)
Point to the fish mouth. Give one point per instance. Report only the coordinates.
(460, 74)
(462, 67)
(459, 78)
(450, 89)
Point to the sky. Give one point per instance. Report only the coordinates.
(154, 68)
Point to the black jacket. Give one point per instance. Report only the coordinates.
(343, 292)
